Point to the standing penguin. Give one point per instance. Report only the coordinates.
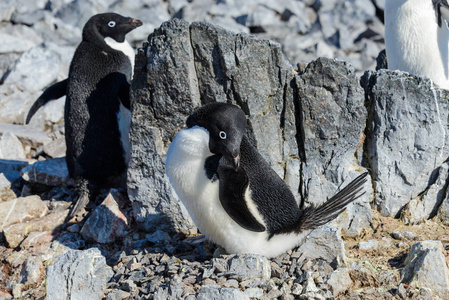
(97, 109)
(417, 39)
(234, 197)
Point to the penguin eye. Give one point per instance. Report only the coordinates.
(111, 24)
(222, 135)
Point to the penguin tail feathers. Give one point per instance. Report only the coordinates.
(313, 217)
(82, 200)
(54, 92)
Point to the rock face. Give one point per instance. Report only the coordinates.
(184, 66)
(78, 275)
(406, 143)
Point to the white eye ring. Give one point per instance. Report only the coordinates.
(111, 24)
(222, 135)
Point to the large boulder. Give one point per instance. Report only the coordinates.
(307, 125)
(406, 144)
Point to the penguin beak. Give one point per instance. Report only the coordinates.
(236, 162)
(136, 23)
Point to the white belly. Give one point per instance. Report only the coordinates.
(414, 42)
(185, 169)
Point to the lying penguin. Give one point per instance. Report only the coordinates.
(97, 108)
(234, 197)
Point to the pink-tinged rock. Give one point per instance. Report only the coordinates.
(16, 233)
(107, 223)
(36, 239)
(5, 295)
(21, 210)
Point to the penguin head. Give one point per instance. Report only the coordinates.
(110, 25)
(226, 125)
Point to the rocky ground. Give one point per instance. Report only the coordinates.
(108, 254)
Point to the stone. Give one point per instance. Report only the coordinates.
(254, 293)
(214, 292)
(158, 236)
(340, 281)
(18, 38)
(107, 223)
(426, 205)
(21, 210)
(7, 180)
(118, 295)
(16, 233)
(11, 148)
(27, 135)
(32, 270)
(78, 275)
(443, 211)
(324, 243)
(35, 70)
(50, 172)
(56, 148)
(371, 244)
(406, 137)
(248, 266)
(425, 266)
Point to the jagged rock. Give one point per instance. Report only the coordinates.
(425, 266)
(340, 281)
(253, 74)
(7, 180)
(107, 223)
(249, 266)
(16, 233)
(78, 275)
(425, 205)
(215, 292)
(158, 236)
(56, 148)
(50, 172)
(18, 38)
(324, 243)
(36, 69)
(27, 135)
(443, 211)
(21, 210)
(11, 148)
(32, 270)
(406, 137)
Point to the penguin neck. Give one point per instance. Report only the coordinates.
(123, 47)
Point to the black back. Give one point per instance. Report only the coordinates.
(97, 84)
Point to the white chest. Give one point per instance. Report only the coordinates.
(185, 168)
(125, 48)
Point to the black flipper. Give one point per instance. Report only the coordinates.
(313, 217)
(54, 92)
(233, 186)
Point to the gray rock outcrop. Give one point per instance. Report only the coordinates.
(406, 142)
(308, 127)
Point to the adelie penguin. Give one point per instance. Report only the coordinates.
(97, 108)
(417, 38)
(234, 197)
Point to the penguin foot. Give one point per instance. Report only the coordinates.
(80, 203)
